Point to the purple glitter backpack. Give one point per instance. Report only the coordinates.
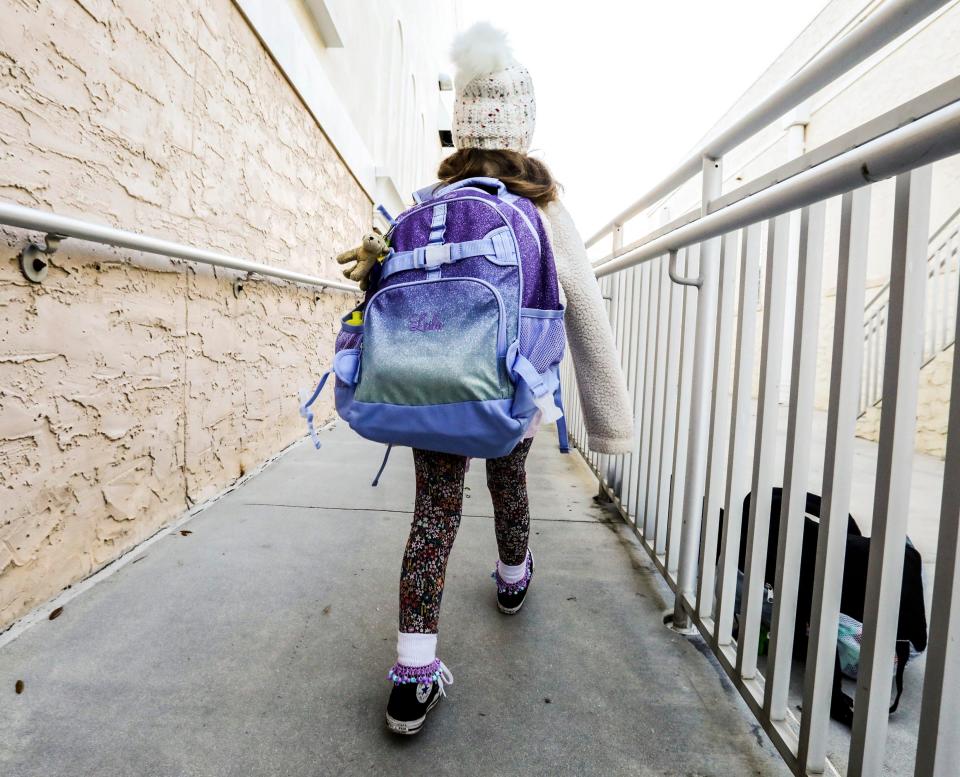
(462, 329)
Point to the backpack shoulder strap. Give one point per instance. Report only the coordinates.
(487, 183)
(426, 193)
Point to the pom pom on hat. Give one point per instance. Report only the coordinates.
(480, 50)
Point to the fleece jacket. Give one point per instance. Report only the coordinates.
(600, 382)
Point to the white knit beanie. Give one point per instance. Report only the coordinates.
(495, 106)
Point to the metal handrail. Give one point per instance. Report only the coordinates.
(882, 27)
(926, 140)
(14, 215)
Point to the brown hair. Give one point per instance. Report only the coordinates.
(521, 174)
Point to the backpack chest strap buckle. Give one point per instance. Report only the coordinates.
(430, 257)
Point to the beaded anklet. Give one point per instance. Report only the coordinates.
(400, 674)
(504, 587)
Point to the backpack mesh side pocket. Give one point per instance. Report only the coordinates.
(542, 337)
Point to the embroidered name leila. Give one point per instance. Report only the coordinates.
(425, 322)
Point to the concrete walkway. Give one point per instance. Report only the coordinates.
(258, 645)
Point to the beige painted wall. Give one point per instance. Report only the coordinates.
(132, 387)
(932, 404)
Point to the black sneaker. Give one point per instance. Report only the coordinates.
(410, 701)
(510, 596)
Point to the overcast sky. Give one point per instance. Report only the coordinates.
(626, 89)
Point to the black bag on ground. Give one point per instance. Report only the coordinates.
(912, 621)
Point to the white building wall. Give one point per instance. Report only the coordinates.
(369, 71)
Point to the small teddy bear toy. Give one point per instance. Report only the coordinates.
(365, 255)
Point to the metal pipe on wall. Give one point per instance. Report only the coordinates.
(30, 218)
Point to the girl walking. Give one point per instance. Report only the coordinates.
(493, 123)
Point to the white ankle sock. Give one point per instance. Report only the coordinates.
(416, 649)
(513, 573)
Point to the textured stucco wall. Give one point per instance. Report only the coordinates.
(131, 386)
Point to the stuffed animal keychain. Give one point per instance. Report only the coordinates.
(365, 255)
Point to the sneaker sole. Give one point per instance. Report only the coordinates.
(515, 610)
(510, 610)
(410, 727)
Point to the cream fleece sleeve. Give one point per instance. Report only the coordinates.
(600, 381)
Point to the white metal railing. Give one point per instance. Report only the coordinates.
(943, 266)
(58, 227)
(701, 446)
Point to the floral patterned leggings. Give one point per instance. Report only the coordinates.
(436, 518)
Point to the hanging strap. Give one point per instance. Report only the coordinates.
(544, 395)
(903, 655)
(563, 439)
(305, 411)
(535, 381)
(383, 466)
(381, 209)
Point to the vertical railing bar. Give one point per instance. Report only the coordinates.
(877, 346)
(837, 476)
(690, 266)
(944, 302)
(872, 364)
(652, 289)
(765, 444)
(938, 741)
(599, 459)
(871, 355)
(719, 426)
(637, 349)
(929, 323)
(629, 376)
(656, 438)
(614, 462)
(796, 460)
(571, 395)
(738, 451)
(617, 461)
(639, 380)
(605, 460)
(866, 380)
(700, 388)
(668, 423)
(952, 262)
(891, 502)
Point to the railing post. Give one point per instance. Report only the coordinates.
(699, 404)
(891, 502)
(796, 132)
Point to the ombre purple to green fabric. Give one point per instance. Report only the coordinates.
(434, 343)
